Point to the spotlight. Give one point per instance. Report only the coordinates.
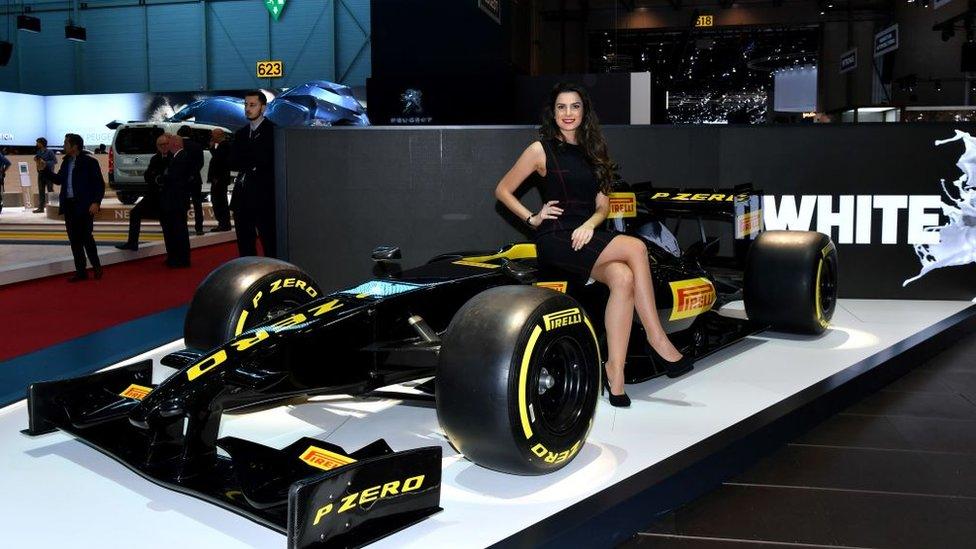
(28, 23)
(76, 34)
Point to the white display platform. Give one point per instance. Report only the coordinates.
(56, 491)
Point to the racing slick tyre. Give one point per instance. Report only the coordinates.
(242, 294)
(518, 379)
(791, 281)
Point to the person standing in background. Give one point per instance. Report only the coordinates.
(218, 174)
(50, 161)
(82, 190)
(4, 165)
(194, 151)
(148, 205)
(253, 201)
(174, 200)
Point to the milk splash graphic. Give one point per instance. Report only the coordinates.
(957, 239)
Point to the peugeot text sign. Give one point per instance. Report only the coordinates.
(886, 41)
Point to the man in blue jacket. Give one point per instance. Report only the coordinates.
(50, 160)
(82, 190)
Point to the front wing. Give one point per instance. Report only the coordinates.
(315, 492)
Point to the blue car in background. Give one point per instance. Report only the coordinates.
(314, 103)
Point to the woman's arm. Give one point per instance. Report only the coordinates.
(533, 159)
(602, 210)
(584, 232)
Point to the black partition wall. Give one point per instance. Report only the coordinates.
(875, 188)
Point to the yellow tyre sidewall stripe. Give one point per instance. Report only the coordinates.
(523, 395)
(817, 303)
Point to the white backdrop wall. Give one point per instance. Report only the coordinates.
(795, 89)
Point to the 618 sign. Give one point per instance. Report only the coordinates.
(270, 69)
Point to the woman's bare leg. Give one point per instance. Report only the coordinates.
(632, 251)
(618, 318)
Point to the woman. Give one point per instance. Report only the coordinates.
(572, 158)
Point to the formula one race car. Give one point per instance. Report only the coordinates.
(514, 351)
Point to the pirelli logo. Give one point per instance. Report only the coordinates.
(136, 392)
(691, 297)
(558, 286)
(748, 224)
(321, 458)
(562, 318)
(622, 205)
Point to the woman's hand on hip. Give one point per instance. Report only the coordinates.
(549, 211)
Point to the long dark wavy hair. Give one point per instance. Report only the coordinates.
(589, 137)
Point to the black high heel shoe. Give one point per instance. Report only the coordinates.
(674, 369)
(618, 401)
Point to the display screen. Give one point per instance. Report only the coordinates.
(22, 119)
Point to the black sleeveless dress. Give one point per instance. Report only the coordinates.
(570, 180)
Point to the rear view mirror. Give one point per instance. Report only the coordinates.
(386, 253)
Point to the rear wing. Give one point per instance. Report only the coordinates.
(732, 215)
(740, 205)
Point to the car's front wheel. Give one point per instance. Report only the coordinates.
(518, 379)
(241, 294)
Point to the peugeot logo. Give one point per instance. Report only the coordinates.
(411, 100)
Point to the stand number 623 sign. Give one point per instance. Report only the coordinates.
(270, 69)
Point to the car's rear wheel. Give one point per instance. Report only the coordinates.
(518, 379)
(241, 294)
(791, 281)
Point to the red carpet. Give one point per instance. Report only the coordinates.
(43, 312)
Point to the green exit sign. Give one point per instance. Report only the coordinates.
(275, 7)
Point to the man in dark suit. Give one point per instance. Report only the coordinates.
(218, 174)
(148, 206)
(174, 200)
(253, 201)
(195, 151)
(82, 190)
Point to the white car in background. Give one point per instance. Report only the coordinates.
(134, 144)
